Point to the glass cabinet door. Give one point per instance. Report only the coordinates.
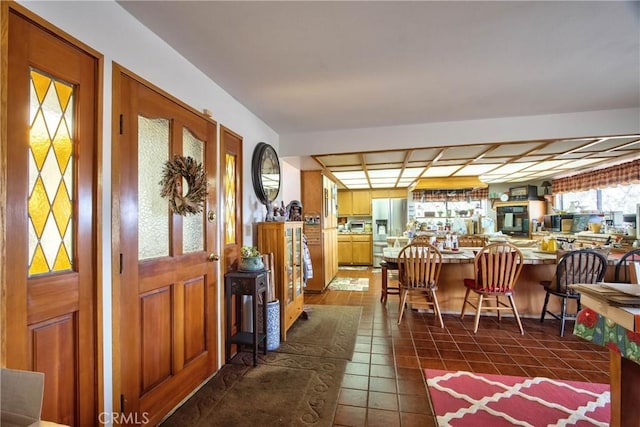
(298, 261)
(290, 263)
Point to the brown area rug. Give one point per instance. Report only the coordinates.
(329, 331)
(297, 385)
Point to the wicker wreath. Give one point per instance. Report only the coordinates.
(173, 172)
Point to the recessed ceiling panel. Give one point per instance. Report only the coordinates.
(533, 158)
(384, 173)
(340, 160)
(457, 163)
(474, 170)
(405, 182)
(584, 162)
(387, 181)
(346, 168)
(350, 175)
(385, 157)
(511, 167)
(384, 166)
(518, 174)
(513, 149)
(602, 145)
(612, 154)
(464, 153)
(493, 160)
(424, 154)
(412, 172)
(548, 165)
(558, 147)
(436, 171)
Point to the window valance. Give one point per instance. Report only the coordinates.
(458, 195)
(622, 174)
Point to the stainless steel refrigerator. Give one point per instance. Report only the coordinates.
(389, 219)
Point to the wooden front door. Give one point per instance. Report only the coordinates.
(51, 202)
(167, 279)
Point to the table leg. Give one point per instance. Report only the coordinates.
(254, 301)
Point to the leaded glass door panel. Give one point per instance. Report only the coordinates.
(51, 181)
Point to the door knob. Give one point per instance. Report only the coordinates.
(213, 257)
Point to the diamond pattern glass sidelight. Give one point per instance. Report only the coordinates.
(153, 210)
(192, 225)
(51, 177)
(230, 199)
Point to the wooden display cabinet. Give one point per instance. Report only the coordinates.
(284, 240)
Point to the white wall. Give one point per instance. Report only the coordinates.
(107, 28)
(290, 182)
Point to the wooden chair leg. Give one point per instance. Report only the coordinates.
(464, 304)
(436, 307)
(498, 308)
(544, 307)
(563, 316)
(478, 310)
(515, 313)
(403, 301)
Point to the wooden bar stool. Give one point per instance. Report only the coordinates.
(386, 290)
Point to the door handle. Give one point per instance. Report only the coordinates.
(213, 257)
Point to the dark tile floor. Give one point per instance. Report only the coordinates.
(384, 384)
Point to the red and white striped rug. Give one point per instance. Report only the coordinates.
(469, 399)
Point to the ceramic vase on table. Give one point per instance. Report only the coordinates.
(253, 263)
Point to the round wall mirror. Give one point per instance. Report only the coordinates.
(265, 173)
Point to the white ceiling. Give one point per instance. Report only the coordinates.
(316, 66)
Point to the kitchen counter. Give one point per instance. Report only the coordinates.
(529, 294)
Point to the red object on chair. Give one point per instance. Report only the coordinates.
(497, 267)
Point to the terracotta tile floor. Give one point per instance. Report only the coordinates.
(384, 384)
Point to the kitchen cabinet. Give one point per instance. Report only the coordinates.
(389, 193)
(284, 240)
(344, 250)
(361, 202)
(319, 198)
(355, 249)
(354, 203)
(345, 203)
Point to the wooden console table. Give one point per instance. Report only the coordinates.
(254, 284)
